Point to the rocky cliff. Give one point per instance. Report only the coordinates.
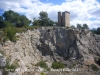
(53, 44)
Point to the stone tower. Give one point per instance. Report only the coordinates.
(64, 19)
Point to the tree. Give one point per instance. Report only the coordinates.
(11, 16)
(79, 26)
(94, 30)
(23, 21)
(1, 18)
(43, 18)
(36, 22)
(56, 23)
(50, 22)
(16, 19)
(85, 26)
(1, 22)
(73, 26)
(98, 30)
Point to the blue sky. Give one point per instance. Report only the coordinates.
(53, 1)
(81, 11)
(57, 1)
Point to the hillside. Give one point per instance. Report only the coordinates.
(78, 47)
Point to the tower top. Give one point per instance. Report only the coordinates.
(67, 12)
(64, 18)
(59, 11)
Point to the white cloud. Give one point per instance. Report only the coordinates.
(81, 11)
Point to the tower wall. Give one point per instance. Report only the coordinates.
(59, 18)
(67, 19)
(64, 19)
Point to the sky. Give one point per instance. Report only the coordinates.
(81, 11)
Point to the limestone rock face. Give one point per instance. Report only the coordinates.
(52, 44)
(23, 50)
(2, 63)
(62, 44)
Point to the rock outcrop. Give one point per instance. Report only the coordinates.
(53, 44)
(2, 63)
(62, 44)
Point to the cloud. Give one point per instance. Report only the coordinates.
(81, 11)
(95, 12)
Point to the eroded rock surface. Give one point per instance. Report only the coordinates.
(53, 44)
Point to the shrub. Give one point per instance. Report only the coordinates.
(20, 30)
(24, 29)
(2, 52)
(5, 39)
(94, 67)
(9, 67)
(32, 27)
(48, 69)
(10, 33)
(57, 65)
(99, 55)
(1, 35)
(73, 65)
(42, 64)
(67, 27)
(42, 73)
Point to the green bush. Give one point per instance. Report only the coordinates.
(72, 65)
(2, 52)
(48, 69)
(32, 27)
(42, 64)
(9, 67)
(99, 55)
(94, 67)
(42, 73)
(10, 33)
(57, 65)
(67, 27)
(5, 39)
(20, 30)
(1, 35)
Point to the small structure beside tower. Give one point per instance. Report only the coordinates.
(64, 19)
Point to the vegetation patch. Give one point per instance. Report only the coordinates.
(67, 27)
(9, 33)
(73, 65)
(10, 67)
(94, 67)
(97, 61)
(42, 73)
(42, 64)
(57, 65)
(2, 52)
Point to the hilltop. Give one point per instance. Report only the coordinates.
(71, 47)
